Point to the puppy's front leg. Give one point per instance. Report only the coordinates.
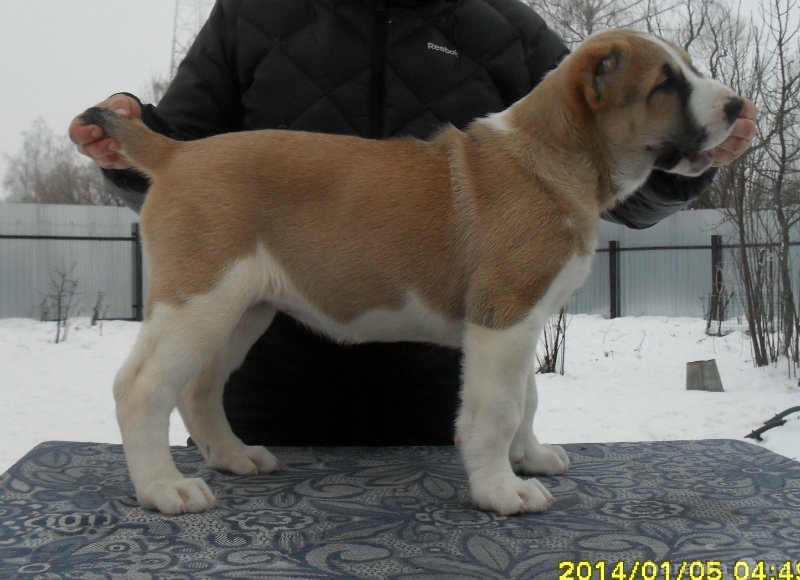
(497, 364)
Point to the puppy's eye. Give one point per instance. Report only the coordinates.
(665, 82)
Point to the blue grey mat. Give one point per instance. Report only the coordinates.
(67, 511)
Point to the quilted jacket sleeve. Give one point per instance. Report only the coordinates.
(662, 195)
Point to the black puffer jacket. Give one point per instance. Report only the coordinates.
(374, 68)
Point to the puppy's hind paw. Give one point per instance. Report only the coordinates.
(180, 496)
(246, 460)
(511, 496)
(542, 460)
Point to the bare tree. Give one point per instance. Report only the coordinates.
(100, 310)
(550, 358)
(781, 174)
(48, 169)
(759, 193)
(574, 20)
(60, 298)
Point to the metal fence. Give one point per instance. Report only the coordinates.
(96, 246)
(665, 270)
(670, 269)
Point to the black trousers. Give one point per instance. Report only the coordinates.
(298, 388)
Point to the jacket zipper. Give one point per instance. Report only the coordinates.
(376, 127)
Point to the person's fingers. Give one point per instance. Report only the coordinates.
(105, 153)
(91, 141)
(742, 134)
(123, 105)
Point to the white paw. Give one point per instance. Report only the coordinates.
(244, 460)
(540, 459)
(177, 496)
(510, 495)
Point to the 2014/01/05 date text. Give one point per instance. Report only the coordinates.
(682, 570)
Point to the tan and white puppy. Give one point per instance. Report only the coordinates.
(472, 239)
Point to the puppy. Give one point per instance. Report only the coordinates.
(472, 239)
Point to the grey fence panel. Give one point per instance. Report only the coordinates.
(30, 268)
(666, 270)
(670, 282)
(93, 245)
(731, 274)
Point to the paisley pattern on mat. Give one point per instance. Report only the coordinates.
(67, 511)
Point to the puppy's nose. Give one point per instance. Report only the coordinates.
(733, 108)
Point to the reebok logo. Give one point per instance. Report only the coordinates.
(444, 49)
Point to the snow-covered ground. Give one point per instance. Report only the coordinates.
(625, 381)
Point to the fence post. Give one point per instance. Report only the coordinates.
(138, 274)
(716, 307)
(613, 279)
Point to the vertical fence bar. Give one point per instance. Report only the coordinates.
(613, 279)
(138, 274)
(716, 304)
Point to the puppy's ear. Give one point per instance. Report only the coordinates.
(602, 69)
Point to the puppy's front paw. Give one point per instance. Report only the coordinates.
(244, 460)
(538, 459)
(177, 496)
(511, 495)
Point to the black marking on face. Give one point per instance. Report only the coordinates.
(672, 80)
(687, 135)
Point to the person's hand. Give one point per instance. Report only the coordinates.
(93, 142)
(744, 130)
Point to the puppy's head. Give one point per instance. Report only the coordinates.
(647, 106)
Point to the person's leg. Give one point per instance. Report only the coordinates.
(299, 388)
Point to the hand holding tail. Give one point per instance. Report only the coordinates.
(92, 141)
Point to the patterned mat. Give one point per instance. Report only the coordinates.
(67, 511)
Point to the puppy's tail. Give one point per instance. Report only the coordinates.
(145, 149)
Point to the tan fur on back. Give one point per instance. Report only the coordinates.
(342, 217)
(381, 217)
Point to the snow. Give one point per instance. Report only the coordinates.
(624, 381)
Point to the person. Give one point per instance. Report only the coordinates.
(377, 69)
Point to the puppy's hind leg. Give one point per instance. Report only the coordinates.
(528, 456)
(201, 407)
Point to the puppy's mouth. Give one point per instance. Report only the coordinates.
(689, 163)
(701, 160)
